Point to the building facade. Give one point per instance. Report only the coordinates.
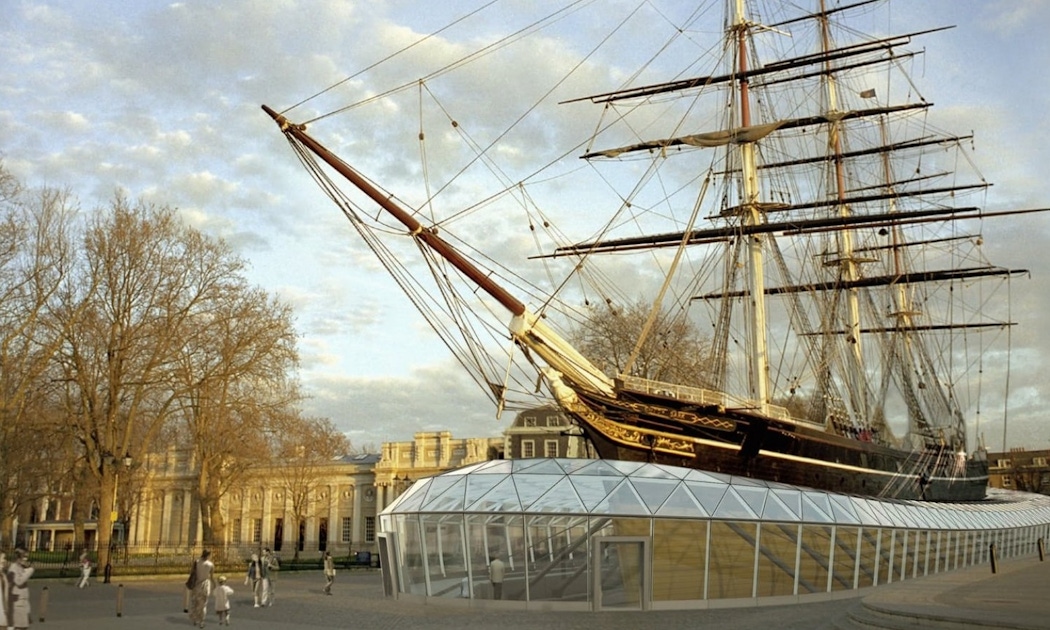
(544, 432)
(1020, 469)
(330, 507)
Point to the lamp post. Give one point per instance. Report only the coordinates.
(127, 461)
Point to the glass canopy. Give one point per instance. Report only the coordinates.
(618, 488)
(581, 534)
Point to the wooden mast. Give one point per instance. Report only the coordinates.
(759, 377)
(415, 228)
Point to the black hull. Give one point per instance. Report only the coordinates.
(774, 450)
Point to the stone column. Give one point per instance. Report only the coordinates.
(358, 523)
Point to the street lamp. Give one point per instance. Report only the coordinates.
(127, 461)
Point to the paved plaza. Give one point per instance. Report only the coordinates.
(1016, 597)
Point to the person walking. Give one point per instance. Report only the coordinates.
(85, 570)
(329, 572)
(254, 578)
(18, 574)
(200, 584)
(5, 591)
(222, 601)
(270, 566)
(496, 571)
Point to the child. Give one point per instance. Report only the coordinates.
(222, 601)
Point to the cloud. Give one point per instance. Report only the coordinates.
(162, 100)
(431, 398)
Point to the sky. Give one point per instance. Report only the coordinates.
(161, 101)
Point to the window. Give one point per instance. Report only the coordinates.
(1039, 461)
(344, 534)
(1002, 463)
(370, 529)
(236, 537)
(530, 421)
(550, 448)
(528, 448)
(256, 530)
(553, 421)
(1007, 482)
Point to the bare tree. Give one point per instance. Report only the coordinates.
(305, 451)
(235, 370)
(147, 278)
(35, 262)
(673, 351)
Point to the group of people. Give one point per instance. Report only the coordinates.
(14, 590)
(261, 574)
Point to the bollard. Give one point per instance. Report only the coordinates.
(120, 599)
(43, 603)
(186, 601)
(991, 556)
(1042, 549)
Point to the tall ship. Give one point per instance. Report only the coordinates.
(805, 218)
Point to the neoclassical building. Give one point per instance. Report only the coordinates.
(158, 509)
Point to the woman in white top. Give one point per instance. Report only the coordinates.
(203, 568)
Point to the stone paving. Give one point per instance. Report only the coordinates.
(358, 602)
(1015, 597)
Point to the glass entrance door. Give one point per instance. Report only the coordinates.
(621, 573)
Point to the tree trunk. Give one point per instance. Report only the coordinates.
(107, 488)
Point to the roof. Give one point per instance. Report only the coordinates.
(619, 488)
(359, 458)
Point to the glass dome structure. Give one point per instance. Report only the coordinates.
(591, 534)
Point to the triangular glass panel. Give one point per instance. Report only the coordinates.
(738, 480)
(777, 510)
(532, 487)
(413, 497)
(447, 502)
(654, 471)
(734, 507)
(477, 487)
(792, 500)
(593, 490)
(496, 466)
(521, 465)
(625, 467)
(501, 498)
(878, 513)
(570, 466)
(709, 477)
(561, 498)
(600, 467)
(898, 514)
(815, 508)
(624, 501)
(654, 491)
(925, 518)
(441, 486)
(708, 494)
(754, 497)
(682, 503)
(842, 510)
(863, 508)
(544, 467)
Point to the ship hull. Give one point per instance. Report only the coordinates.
(770, 449)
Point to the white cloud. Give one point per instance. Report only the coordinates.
(162, 100)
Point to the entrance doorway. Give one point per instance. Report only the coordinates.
(620, 573)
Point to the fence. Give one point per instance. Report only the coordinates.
(176, 559)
